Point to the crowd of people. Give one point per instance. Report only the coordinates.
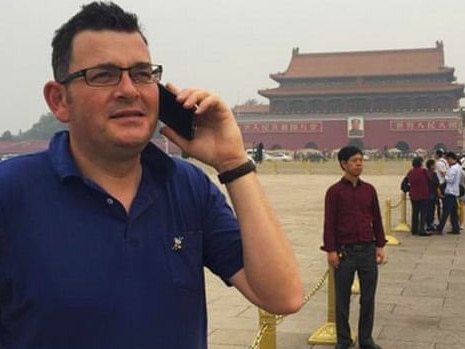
(436, 193)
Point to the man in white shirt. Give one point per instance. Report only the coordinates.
(440, 165)
(452, 179)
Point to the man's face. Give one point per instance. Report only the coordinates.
(121, 117)
(451, 161)
(354, 165)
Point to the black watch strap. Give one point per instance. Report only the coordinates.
(235, 173)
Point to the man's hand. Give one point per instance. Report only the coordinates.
(218, 139)
(333, 259)
(380, 256)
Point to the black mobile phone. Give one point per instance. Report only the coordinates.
(174, 115)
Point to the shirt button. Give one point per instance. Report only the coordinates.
(110, 201)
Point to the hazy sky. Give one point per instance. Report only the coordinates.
(228, 47)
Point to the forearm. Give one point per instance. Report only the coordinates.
(269, 263)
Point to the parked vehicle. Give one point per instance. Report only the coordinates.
(267, 156)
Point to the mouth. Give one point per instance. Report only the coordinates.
(127, 113)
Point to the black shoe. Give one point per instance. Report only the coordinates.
(424, 234)
(372, 345)
(342, 346)
(453, 232)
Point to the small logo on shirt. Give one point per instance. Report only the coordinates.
(177, 243)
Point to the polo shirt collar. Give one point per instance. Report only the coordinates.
(346, 181)
(63, 163)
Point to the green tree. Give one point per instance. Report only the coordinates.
(403, 145)
(44, 128)
(7, 136)
(251, 101)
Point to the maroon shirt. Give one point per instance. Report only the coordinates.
(419, 187)
(352, 215)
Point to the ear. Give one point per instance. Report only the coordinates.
(55, 96)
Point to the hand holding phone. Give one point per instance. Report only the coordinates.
(174, 115)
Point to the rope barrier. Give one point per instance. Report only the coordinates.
(396, 205)
(391, 240)
(266, 334)
(258, 338)
(326, 334)
(402, 226)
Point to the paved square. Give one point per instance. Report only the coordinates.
(420, 295)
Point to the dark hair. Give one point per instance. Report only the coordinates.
(346, 152)
(93, 16)
(417, 161)
(430, 163)
(439, 152)
(451, 155)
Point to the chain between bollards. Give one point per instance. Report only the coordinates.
(387, 224)
(402, 226)
(266, 334)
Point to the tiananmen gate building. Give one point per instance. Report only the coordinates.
(373, 99)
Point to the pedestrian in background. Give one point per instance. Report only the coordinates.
(433, 186)
(440, 167)
(354, 241)
(419, 196)
(452, 182)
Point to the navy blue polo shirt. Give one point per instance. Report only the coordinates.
(77, 271)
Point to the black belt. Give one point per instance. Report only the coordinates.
(358, 246)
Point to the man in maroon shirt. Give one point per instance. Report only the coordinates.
(419, 196)
(354, 240)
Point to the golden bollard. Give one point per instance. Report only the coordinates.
(268, 341)
(306, 166)
(391, 240)
(402, 226)
(326, 334)
(380, 166)
(275, 167)
(355, 285)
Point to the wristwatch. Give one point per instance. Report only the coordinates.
(235, 173)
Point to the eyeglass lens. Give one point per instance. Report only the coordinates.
(111, 75)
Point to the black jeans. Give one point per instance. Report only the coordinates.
(419, 211)
(430, 210)
(360, 258)
(450, 208)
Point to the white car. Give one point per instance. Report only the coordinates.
(277, 156)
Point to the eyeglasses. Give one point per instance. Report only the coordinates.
(110, 75)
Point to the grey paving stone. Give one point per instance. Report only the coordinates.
(421, 290)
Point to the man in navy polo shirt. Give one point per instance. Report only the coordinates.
(103, 237)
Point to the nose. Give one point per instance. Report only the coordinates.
(126, 87)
